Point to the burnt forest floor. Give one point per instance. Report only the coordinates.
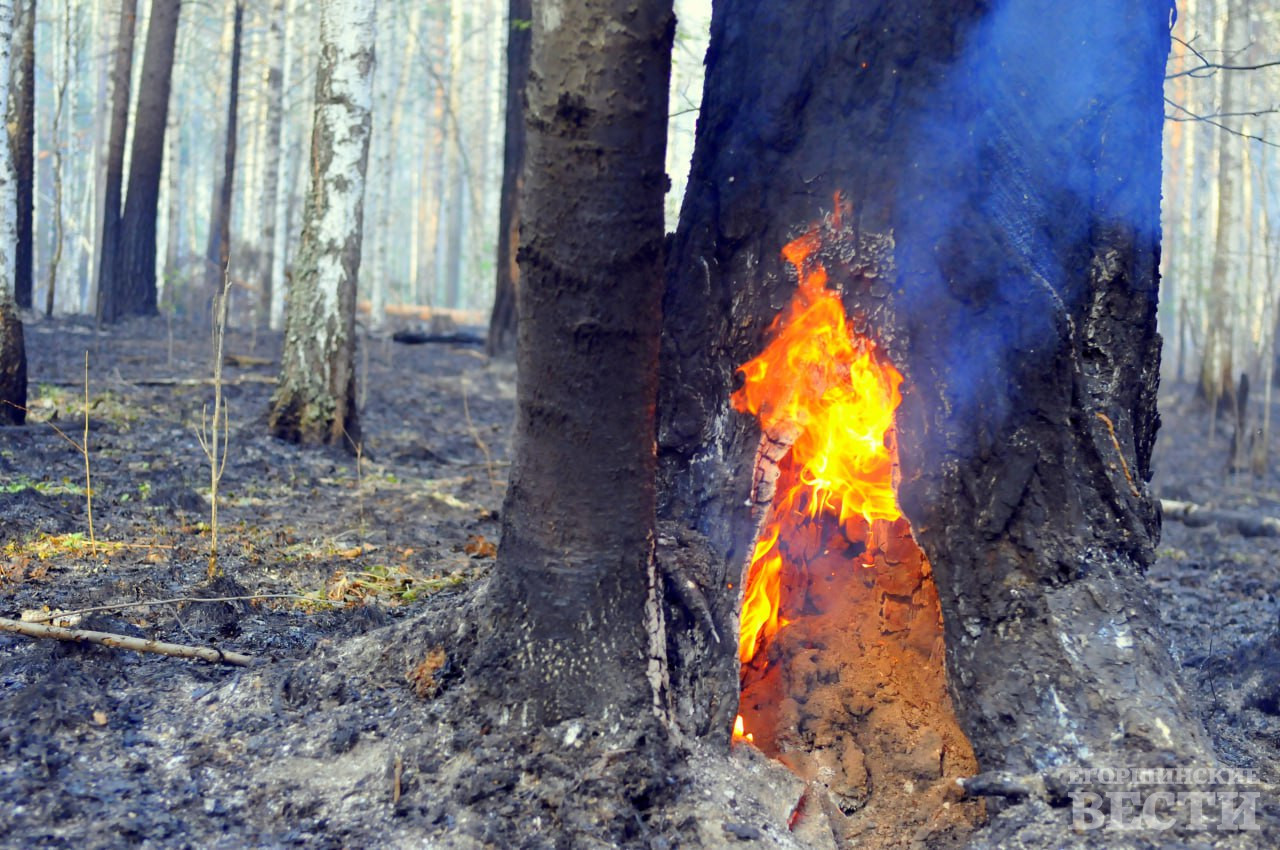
(345, 731)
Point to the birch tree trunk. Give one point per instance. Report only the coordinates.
(315, 398)
(13, 356)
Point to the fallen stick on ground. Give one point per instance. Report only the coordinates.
(204, 653)
(1249, 525)
(147, 603)
(180, 382)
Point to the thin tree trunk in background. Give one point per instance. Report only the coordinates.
(1261, 459)
(13, 354)
(502, 322)
(1217, 367)
(253, 104)
(169, 272)
(315, 398)
(378, 202)
(456, 197)
(284, 174)
(218, 252)
(213, 168)
(389, 225)
(105, 25)
(134, 283)
(59, 99)
(275, 57)
(109, 230)
(21, 123)
(479, 219)
(573, 628)
(173, 253)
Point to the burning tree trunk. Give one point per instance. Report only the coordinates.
(992, 226)
(573, 591)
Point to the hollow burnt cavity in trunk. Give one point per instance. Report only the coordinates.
(840, 637)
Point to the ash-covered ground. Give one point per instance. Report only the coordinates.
(354, 726)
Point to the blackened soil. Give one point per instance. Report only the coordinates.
(354, 728)
(1220, 590)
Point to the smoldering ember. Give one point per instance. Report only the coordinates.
(662, 424)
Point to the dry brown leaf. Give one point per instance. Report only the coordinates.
(423, 674)
(478, 547)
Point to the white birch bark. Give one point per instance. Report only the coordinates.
(314, 400)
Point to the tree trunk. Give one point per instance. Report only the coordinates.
(574, 587)
(218, 252)
(132, 288)
(502, 322)
(21, 122)
(454, 192)
(113, 178)
(174, 255)
(1217, 369)
(272, 154)
(284, 183)
(999, 241)
(13, 355)
(55, 133)
(315, 399)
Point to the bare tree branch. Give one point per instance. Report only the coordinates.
(1206, 68)
(1258, 113)
(1192, 116)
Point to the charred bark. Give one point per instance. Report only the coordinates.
(502, 322)
(22, 125)
(132, 286)
(574, 589)
(999, 237)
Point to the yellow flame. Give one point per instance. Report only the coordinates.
(828, 386)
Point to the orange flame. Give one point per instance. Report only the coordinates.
(827, 388)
